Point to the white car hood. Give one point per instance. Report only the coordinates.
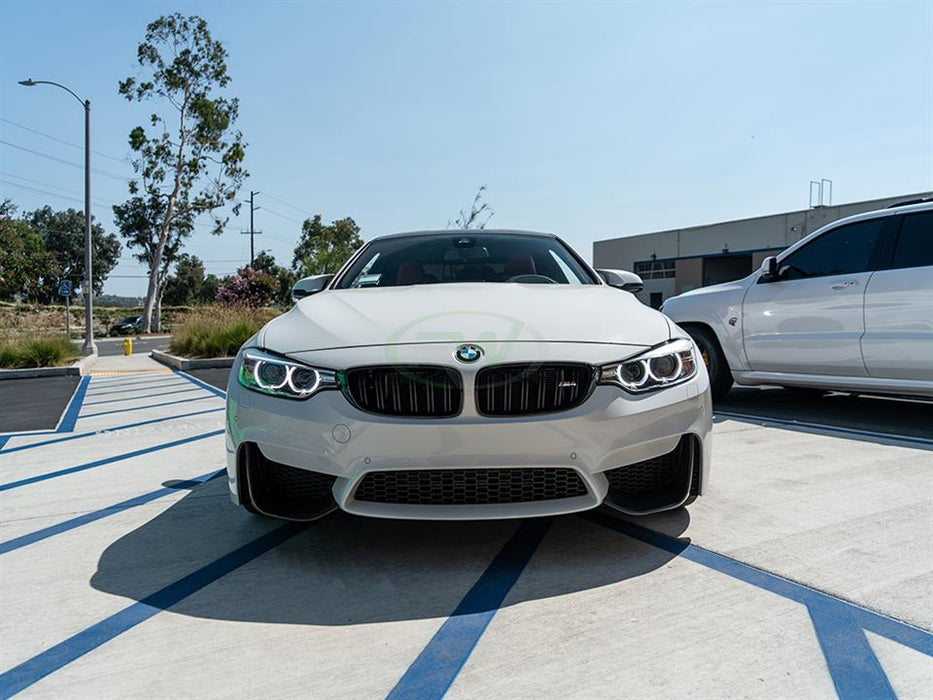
(469, 312)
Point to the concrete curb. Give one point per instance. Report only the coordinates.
(184, 364)
(75, 369)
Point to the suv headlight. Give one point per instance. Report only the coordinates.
(666, 365)
(271, 374)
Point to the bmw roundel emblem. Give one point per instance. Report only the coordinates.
(468, 353)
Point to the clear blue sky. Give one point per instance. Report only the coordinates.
(591, 120)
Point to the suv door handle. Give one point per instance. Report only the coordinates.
(844, 285)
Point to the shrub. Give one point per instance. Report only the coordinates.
(218, 331)
(44, 351)
(248, 287)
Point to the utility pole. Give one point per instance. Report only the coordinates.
(252, 229)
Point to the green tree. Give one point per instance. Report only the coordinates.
(190, 160)
(323, 249)
(63, 233)
(26, 267)
(479, 215)
(188, 286)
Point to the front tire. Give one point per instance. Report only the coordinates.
(720, 376)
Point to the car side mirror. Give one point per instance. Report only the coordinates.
(622, 279)
(769, 270)
(307, 286)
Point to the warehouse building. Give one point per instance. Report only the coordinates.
(675, 261)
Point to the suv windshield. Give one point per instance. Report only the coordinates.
(470, 257)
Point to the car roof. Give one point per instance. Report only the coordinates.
(466, 232)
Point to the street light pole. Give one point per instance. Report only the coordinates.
(89, 347)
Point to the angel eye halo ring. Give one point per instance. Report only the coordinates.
(666, 365)
(278, 376)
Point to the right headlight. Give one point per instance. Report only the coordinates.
(275, 375)
(666, 365)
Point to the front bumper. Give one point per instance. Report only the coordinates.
(326, 435)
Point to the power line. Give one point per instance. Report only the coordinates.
(67, 143)
(52, 194)
(291, 206)
(66, 162)
(275, 213)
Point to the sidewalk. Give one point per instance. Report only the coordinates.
(125, 364)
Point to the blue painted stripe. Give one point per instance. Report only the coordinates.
(104, 431)
(204, 385)
(438, 664)
(108, 460)
(38, 667)
(131, 378)
(901, 632)
(142, 408)
(3, 439)
(52, 530)
(764, 421)
(855, 670)
(146, 395)
(70, 417)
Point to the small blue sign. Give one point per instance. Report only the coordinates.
(64, 288)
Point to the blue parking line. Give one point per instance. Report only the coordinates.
(52, 530)
(821, 428)
(146, 395)
(70, 417)
(852, 663)
(3, 439)
(105, 431)
(56, 657)
(436, 667)
(854, 668)
(108, 460)
(141, 408)
(204, 385)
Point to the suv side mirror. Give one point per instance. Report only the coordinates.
(307, 286)
(622, 279)
(769, 270)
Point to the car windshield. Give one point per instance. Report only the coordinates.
(469, 257)
(130, 319)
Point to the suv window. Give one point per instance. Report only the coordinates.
(915, 242)
(842, 251)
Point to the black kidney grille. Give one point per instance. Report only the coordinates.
(414, 391)
(470, 486)
(516, 390)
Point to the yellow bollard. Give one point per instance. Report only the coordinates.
(127, 346)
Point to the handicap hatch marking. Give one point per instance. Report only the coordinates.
(108, 460)
(439, 663)
(93, 516)
(60, 655)
(839, 625)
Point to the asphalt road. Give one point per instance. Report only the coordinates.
(141, 344)
(34, 404)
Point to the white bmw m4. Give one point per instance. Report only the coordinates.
(467, 375)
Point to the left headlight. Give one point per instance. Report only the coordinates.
(270, 374)
(666, 365)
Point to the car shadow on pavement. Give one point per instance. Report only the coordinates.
(346, 570)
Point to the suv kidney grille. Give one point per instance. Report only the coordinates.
(413, 391)
(470, 486)
(519, 390)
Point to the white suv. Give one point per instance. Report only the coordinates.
(848, 308)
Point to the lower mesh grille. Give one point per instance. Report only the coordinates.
(644, 476)
(290, 482)
(470, 486)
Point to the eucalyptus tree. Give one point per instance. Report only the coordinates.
(189, 159)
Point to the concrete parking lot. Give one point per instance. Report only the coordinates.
(806, 571)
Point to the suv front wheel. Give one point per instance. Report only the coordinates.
(720, 376)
